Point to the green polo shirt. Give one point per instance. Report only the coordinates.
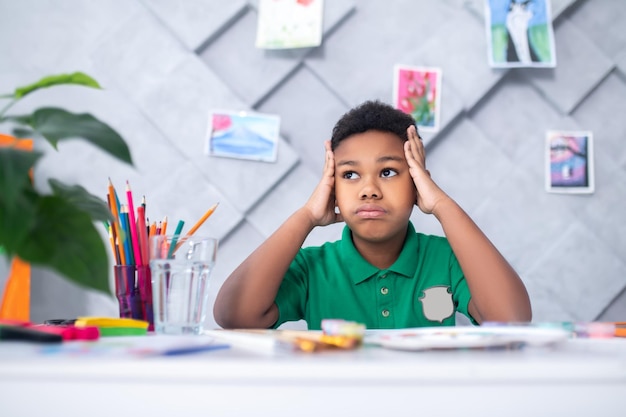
(424, 287)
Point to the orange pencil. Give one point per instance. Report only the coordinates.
(202, 220)
(198, 224)
(116, 253)
(164, 225)
(116, 224)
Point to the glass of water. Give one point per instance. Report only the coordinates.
(181, 269)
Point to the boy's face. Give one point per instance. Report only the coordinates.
(373, 187)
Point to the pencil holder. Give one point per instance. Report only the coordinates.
(133, 290)
(144, 286)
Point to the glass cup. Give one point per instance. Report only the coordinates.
(180, 269)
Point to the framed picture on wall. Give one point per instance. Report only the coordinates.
(519, 33)
(243, 135)
(569, 162)
(417, 91)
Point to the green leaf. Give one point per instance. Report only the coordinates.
(26, 119)
(19, 132)
(17, 218)
(76, 78)
(15, 166)
(56, 124)
(82, 200)
(66, 240)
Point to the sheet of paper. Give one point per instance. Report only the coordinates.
(286, 24)
(519, 33)
(417, 91)
(569, 162)
(243, 135)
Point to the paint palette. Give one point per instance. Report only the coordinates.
(464, 337)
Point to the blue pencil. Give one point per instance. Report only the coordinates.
(126, 234)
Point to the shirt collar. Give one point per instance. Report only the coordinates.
(359, 269)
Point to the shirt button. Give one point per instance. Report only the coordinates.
(384, 290)
(385, 313)
(383, 276)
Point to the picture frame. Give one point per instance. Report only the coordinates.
(520, 33)
(569, 162)
(243, 135)
(417, 91)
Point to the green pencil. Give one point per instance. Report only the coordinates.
(179, 228)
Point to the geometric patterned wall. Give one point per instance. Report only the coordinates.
(165, 64)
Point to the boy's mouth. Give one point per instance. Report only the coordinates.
(370, 211)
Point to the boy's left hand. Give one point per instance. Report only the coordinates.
(428, 193)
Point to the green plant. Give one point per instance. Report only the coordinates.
(56, 229)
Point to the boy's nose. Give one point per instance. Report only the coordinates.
(370, 190)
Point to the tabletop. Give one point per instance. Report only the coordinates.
(573, 377)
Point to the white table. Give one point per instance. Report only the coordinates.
(582, 377)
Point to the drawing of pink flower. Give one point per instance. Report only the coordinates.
(221, 122)
(406, 106)
(417, 95)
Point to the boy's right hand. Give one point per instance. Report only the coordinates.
(321, 205)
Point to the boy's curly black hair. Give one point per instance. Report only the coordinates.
(371, 115)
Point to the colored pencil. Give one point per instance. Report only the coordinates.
(198, 224)
(164, 226)
(132, 222)
(116, 253)
(128, 250)
(173, 244)
(143, 235)
(116, 225)
(202, 220)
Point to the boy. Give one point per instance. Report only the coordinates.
(381, 273)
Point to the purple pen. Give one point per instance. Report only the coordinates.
(185, 350)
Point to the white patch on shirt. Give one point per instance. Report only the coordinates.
(437, 303)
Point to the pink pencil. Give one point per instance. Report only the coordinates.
(143, 234)
(133, 226)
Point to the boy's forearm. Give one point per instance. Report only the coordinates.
(246, 298)
(497, 291)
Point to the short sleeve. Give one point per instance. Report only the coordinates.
(460, 290)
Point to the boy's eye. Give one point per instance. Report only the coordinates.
(350, 175)
(388, 172)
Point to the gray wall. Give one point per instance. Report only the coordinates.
(164, 64)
